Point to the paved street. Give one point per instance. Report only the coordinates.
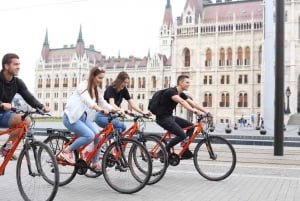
(259, 175)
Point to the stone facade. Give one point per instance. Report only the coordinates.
(219, 45)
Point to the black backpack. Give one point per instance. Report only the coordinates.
(154, 102)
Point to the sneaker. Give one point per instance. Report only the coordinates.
(104, 147)
(187, 154)
(14, 158)
(161, 156)
(67, 156)
(97, 167)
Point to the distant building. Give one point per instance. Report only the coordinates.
(219, 45)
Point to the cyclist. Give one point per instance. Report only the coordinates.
(114, 95)
(87, 96)
(165, 118)
(10, 84)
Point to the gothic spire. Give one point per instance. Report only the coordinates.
(168, 18)
(80, 39)
(46, 43)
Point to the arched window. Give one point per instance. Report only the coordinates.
(56, 81)
(247, 56)
(40, 82)
(48, 82)
(74, 81)
(139, 83)
(260, 55)
(239, 57)
(153, 79)
(166, 82)
(229, 57)
(207, 100)
(65, 82)
(187, 58)
(208, 57)
(243, 100)
(224, 100)
(132, 83)
(144, 82)
(222, 57)
(258, 99)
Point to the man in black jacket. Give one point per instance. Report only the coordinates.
(9, 86)
(165, 118)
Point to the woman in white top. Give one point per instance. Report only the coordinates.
(87, 96)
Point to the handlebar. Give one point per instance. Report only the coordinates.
(202, 116)
(29, 112)
(113, 115)
(138, 116)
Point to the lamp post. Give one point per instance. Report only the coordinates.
(288, 93)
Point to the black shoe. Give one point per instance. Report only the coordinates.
(161, 156)
(187, 154)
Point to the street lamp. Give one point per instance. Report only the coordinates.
(288, 93)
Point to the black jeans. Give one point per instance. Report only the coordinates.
(174, 125)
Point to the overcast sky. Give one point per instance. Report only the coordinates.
(131, 26)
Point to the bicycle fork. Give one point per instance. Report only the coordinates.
(209, 148)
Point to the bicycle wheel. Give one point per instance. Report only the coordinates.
(67, 171)
(215, 158)
(159, 157)
(119, 169)
(37, 172)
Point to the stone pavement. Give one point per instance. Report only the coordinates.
(259, 175)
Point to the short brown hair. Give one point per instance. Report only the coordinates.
(7, 58)
(182, 77)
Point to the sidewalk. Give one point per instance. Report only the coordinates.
(259, 175)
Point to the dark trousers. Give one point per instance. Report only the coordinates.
(174, 125)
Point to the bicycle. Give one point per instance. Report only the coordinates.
(37, 171)
(214, 156)
(155, 148)
(118, 163)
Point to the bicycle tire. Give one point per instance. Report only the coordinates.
(67, 171)
(120, 173)
(159, 157)
(36, 179)
(221, 164)
(164, 142)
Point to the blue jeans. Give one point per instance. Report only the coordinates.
(86, 131)
(5, 117)
(102, 121)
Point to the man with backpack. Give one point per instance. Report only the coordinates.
(168, 101)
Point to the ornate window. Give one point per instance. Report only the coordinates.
(243, 100)
(187, 58)
(239, 61)
(229, 57)
(222, 57)
(208, 57)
